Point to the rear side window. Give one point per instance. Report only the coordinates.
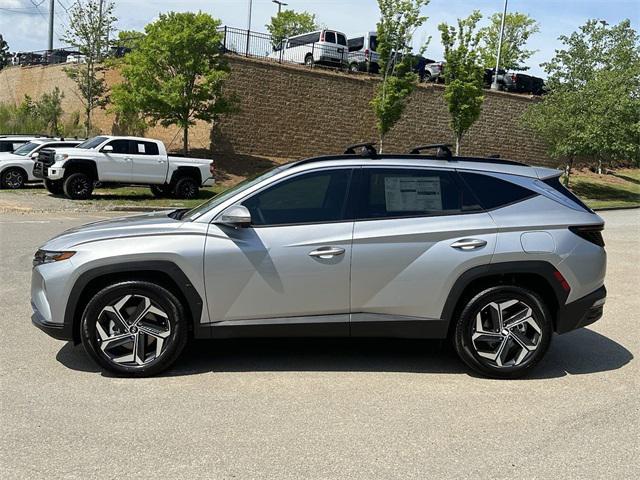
(493, 192)
(356, 44)
(315, 197)
(330, 37)
(557, 186)
(393, 193)
(145, 148)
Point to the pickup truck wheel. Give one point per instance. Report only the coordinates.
(186, 188)
(161, 191)
(54, 187)
(13, 178)
(78, 186)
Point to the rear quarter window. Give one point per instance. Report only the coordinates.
(330, 37)
(493, 192)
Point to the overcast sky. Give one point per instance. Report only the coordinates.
(24, 25)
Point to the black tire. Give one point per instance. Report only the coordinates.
(161, 191)
(308, 60)
(55, 187)
(110, 357)
(509, 351)
(13, 178)
(354, 67)
(185, 188)
(78, 186)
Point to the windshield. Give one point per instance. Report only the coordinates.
(26, 149)
(92, 143)
(221, 197)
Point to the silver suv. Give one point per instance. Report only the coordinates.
(492, 254)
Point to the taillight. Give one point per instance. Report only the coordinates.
(514, 78)
(591, 233)
(322, 36)
(366, 54)
(212, 167)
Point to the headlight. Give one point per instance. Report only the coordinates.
(44, 256)
(60, 157)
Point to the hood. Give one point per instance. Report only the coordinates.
(72, 150)
(133, 227)
(8, 157)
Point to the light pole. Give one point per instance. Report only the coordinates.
(280, 5)
(51, 7)
(494, 84)
(249, 26)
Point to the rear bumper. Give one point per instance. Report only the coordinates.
(581, 312)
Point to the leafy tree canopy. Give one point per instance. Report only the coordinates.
(518, 27)
(288, 23)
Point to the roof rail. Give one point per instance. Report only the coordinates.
(443, 150)
(367, 149)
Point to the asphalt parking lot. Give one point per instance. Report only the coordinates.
(318, 409)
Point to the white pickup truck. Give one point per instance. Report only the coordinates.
(121, 160)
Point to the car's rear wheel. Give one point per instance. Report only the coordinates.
(134, 328)
(13, 178)
(54, 187)
(78, 186)
(503, 331)
(185, 188)
(308, 60)
(354, 68)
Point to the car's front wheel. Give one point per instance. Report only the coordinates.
(134, 328)
(13, 178)
(503, 331)
(78, 186)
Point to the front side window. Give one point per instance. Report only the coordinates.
(395, 193)
(315, 197)
(342, 40)
(373, 43)
(120, 146)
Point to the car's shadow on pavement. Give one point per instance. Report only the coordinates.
(581, 352)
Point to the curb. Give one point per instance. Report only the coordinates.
(606, 209)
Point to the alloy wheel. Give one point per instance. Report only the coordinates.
(132, 331)
(506, 333)
(13, 179)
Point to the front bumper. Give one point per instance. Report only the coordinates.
(581, 312)
(59, 331)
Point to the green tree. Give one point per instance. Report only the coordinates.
(288, 23)
(399, 19)
(518, 27)
(462, 74)
(129, 39)
(592, 110)
(176, 74)
(4, 53)
(89, 25)
(49, 110)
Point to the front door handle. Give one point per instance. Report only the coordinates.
(469, 244)
(327, 252)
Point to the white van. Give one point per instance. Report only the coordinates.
(322, 47)
(363, 55)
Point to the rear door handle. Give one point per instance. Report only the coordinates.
(327, 252)
(469, 244)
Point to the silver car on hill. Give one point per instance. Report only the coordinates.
(494, 255)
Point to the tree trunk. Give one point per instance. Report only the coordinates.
(567, 171)
(185, 140)
(458, 144)
(381, 143)
(599, 170)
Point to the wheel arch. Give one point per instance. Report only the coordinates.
(164, 273)
(14, 167)
(78, 165)
(184, 171)
(538, 276)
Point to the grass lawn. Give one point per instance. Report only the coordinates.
(621, 189)
(142, 196)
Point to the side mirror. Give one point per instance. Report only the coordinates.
(34, 156)
(237, 216)
(107, 148)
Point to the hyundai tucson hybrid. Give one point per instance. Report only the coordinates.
(494, 255)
